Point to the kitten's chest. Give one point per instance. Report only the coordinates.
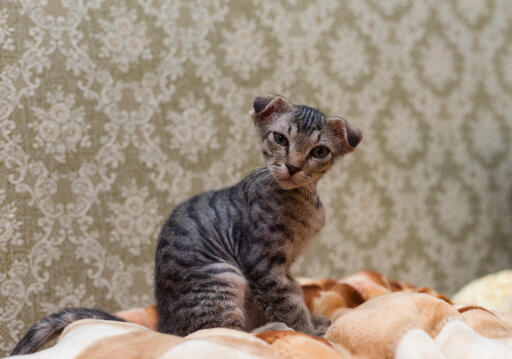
(304, 223)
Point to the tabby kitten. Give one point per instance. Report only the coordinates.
(223, 257)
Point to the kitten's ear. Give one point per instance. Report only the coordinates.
(347, 137)
(264, 107)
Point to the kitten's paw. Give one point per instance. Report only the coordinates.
(272, 326)
(320, 324)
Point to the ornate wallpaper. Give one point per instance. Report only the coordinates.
(112, 112)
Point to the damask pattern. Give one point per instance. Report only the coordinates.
(112, 112)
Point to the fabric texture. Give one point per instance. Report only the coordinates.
(112, 112)
(493, 291)
(391, 319)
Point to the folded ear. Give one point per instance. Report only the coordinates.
(347, 137)
(266, 106)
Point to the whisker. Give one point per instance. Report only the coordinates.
(258, 178)
(267, 181)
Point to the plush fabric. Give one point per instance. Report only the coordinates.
(328, 297)
(493, 291)
(373, 317)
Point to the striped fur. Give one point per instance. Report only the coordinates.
(226, 253)
(49, 327)
(223, 257)
(308, 119)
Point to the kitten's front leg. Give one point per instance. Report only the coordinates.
(282, 300)
(320, 324)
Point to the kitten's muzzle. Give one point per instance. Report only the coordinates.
(292, 169)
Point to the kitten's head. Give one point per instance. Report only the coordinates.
(300, 143)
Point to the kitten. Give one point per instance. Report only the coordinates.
(223, 257)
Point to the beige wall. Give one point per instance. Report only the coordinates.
(111, 114)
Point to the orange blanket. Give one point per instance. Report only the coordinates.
(329, 297)
(372, 317)
(376, 317)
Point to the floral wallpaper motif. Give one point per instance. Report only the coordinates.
(123, 39)
(112, 112)
(6, 31)
(60, 128)
(135, 218)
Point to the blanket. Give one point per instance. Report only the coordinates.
(493, 291)
(372, 317)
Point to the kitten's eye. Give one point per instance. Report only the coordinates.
(280, 139)
(319, 152)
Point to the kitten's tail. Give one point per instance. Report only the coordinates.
(49, 327)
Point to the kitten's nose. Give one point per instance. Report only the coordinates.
(292, 169)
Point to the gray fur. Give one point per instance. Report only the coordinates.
(226, 253)
(49, 327)
(223, 257)
(308, 119)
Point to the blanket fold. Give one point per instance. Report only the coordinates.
(372, 317)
